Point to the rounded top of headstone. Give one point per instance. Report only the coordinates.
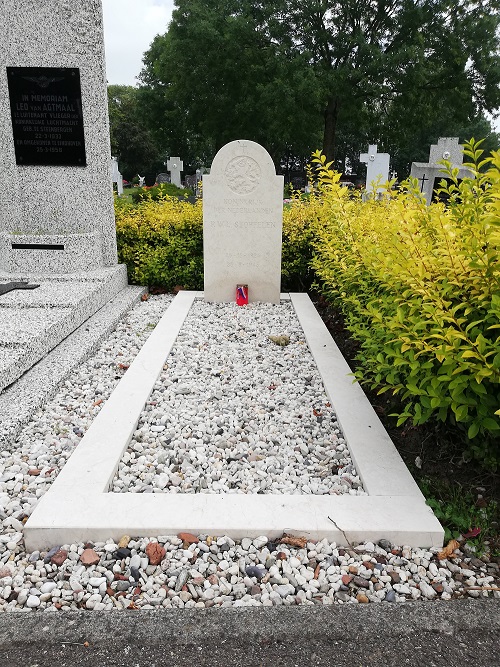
(243, 165)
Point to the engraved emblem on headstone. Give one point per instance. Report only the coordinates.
(242, 174)
(43, 81)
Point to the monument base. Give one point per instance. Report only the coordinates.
(57, 253)
(33, 322)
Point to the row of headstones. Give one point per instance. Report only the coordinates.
(243, 208)
(447, 148)
(377, 169)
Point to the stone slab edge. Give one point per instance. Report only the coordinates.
(250, 625)
(77, 507)
(31, 391)
(381, 468)
(37, 347)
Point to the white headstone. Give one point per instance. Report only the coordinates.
(447, 148)
(377, 167)
(242, 222)
(116, 177)
(175, 165)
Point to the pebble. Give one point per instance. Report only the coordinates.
(248, 454)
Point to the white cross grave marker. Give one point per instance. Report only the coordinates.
(116, 177)
(447, 148)
(175, 165)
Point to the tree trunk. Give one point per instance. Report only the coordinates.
(331, 116)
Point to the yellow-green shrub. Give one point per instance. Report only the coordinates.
(420, 289)
(161, 242)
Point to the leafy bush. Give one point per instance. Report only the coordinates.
(162, 244)
(158, 192)
(419, 286)
(420, 290)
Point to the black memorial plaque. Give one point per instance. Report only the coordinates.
(47, 119)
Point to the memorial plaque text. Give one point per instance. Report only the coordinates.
(47, 119)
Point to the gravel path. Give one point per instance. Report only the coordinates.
(210, 426)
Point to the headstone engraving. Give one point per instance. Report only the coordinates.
(175, 165)
(47, 116)
(377, 168)
(242, 223)
(430, 173)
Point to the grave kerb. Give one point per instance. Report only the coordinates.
(79, 507)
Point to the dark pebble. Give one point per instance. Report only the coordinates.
(343, 597)
(381, 559)
(122, 552)
(255, 590)
(51, 553)
(476, 562)
(390, 596)
(385, 545)
(224, 547)
(135, 573)
(272, 546)
(361, 582)
(254, 571)
(122, 585)
(331, 560)
(395, 578)
(379, 567)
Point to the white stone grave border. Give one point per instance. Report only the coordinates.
(79, 507)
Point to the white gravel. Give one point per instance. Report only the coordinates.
(233, 412)
(236, 413)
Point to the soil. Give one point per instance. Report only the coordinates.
(429, 451)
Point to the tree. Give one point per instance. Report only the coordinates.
(402, 58)
(215, 77)
(392, 72)
(131, 141)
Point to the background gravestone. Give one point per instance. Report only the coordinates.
(430, 173)
(175, 166)
(162, 178)
(242, 222)
(377, 168)
(116, 176)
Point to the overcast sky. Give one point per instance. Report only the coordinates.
(129, 29)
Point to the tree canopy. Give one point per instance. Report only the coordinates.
(295, 74)
(131, 140)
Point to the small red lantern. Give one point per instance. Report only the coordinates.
(241, 295)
